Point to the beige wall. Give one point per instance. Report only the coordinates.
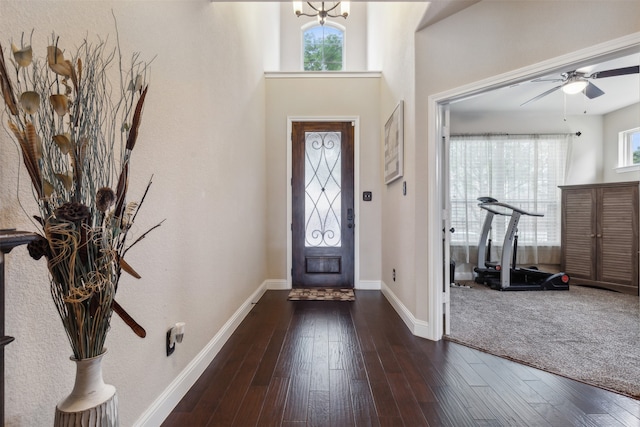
(392, 49)
(323, 97)
(203, 138)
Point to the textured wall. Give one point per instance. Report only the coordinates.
(392, 46)
(202, 136)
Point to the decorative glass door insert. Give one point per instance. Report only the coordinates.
(323, 177)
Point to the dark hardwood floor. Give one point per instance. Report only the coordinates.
(308, 363)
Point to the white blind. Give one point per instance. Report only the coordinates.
(521, 170)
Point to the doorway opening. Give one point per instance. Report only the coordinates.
(438, 130)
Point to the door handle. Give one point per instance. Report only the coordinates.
(350, 217)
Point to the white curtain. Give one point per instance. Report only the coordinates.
(521, 170)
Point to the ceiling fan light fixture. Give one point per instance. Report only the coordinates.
(574, 85)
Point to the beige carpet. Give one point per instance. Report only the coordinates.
(321, 294)
(590, 335)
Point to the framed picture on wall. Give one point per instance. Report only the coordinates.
(394, 144)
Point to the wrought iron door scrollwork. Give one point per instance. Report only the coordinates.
(323, 204)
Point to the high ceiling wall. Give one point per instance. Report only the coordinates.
(202, 138)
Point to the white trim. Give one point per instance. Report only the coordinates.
(356, 186)
(625, 169)
(463, 276)
(277, 284)
(444, 138)
(604, 51)
(625, 155)
(369, 285)
(322, 74)
(328, 23)
(435, 256)
(171, 396)
(417, 327)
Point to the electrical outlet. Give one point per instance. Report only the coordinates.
(394, 275)
(171, 346)
(175, 334)
(366, 196)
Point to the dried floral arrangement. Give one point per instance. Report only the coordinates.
(76, 132)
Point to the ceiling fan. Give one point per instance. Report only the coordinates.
(576, 81)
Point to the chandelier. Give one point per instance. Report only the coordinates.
(320, 12)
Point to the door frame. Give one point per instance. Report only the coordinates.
(445, 201)
(356, 189)
(435, 159)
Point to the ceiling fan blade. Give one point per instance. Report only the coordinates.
(592, 91)
(546, 80)
(615, 72)
(541, 95)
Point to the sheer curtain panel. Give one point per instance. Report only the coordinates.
(521, 170)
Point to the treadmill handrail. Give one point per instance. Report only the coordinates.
(505, 205)
(493, 211)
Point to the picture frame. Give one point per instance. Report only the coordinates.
(394, 145)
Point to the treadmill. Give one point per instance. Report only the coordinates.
(485, 266)
(497, 275)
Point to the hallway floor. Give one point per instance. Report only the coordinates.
(325, 363)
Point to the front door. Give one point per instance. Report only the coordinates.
(323, 219)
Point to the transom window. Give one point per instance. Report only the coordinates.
(629, 148)
(323, 47)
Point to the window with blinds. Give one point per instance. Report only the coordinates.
(521, 170)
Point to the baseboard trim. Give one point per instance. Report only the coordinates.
(463, 276)
(417, 327)
(369, 285)
(277, 284)
(164, 404)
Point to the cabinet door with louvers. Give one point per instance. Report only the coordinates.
(600, 235)
(617, 235)
(578, 233)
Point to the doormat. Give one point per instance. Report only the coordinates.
(321, 294)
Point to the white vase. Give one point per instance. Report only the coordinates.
(92, 403)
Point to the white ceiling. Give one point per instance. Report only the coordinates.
(619, 92)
